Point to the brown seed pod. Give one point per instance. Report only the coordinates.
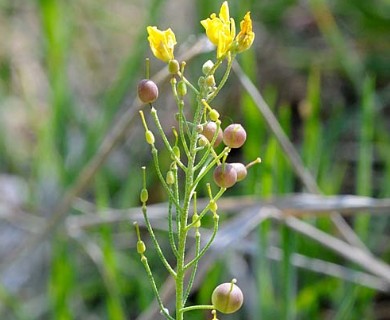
(147, 91)
(227, 298)
(234, 135)
(240, 170)
(225, 176)
(209, 130)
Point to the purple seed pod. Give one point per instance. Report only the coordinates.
(227, 298)
(240, 170)
(209, 130)
(147, 91)
(225, 176)
(234, 135)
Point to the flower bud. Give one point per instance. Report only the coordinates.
(209, 131)
(227, 298)
(213, 115)
(207, 66)
(234, 135)
(210, 81)
(147, 91)
(225, 176)
(173, 66)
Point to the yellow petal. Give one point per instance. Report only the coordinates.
(224, 13)
(162, 43)
(246, 36)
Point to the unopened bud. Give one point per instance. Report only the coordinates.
(173, 66)
(207, 66)
(213, 115)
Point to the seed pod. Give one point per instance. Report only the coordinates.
(144, 195)
(170, 179)
(141, 247)
(209, 130)
(202, 141)
(227, 298)
(147, 91)
(225, 176)
(234, 135)
(240, 170)
(181, 88)
(176, 152)
(149, 136)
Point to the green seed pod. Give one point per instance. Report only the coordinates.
(202, 141)
(147, 91)
(170, 179)
(149, 137)
(227, 298)
(213, 115)
(213, 206)
(144, 195)
(176, 152)
(173, 66)
(194, 218)
(225, 176)
(181, 88)
(141, 247)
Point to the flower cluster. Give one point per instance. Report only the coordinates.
(220, 30)
(195, 151)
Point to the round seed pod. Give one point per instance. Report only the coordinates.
(209, 130)
(225, 176)
(240, 170)
(227, 298)
(147, 91)
(234, 135)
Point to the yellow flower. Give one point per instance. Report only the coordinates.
(220, 30)
(162, 43)
(246, 36)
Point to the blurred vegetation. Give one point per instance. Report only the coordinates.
(68, 71)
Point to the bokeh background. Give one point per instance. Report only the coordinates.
(68, 76)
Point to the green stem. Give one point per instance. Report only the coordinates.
(190, 172)
(156, 245)
(144, 261)
(193, 272)
(199, 307)
(207, 246)
(223, 80)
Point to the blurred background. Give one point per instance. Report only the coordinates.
(68, 75)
